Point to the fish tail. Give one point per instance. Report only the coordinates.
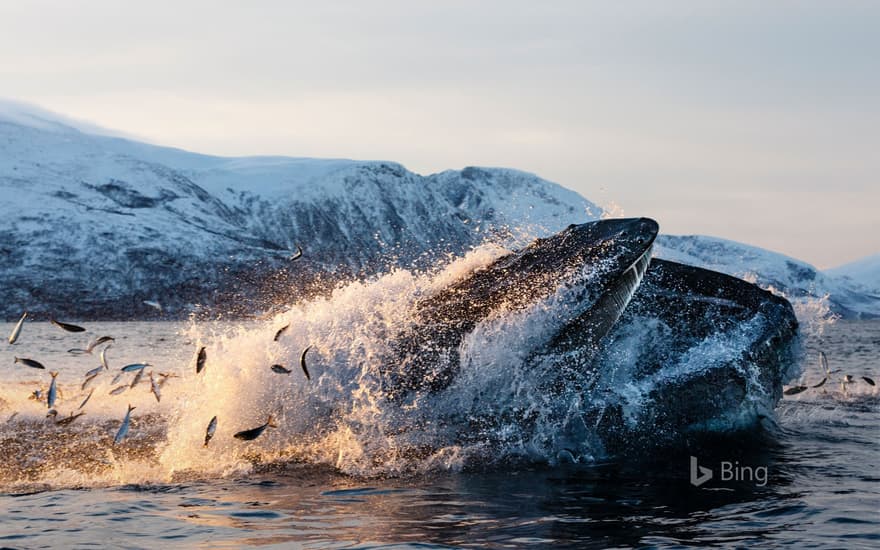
(271, 422)
(53, 374)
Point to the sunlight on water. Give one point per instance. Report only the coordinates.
(503, 405)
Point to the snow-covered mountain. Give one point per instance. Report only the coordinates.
(864, 273)
(796, 279)
(92, 224)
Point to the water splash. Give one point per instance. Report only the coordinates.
(505, 405)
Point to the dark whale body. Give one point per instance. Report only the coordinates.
(593, 269)
(647, 352)
(677, 310)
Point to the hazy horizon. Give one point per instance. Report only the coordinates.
(747, 121)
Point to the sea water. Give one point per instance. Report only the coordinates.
(345, 470)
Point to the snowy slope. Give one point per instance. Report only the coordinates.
(864, 273)
(794, 278)
(92, 224)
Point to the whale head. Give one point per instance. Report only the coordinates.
(578, 280)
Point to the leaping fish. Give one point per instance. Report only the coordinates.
(88, 381)
(67, 326)
(123, 429)
(17, 330)
(153, 304)
(280, 369)
(209, 433)
(137, 378)
(104, 358)
(298, 255)
(66, 421)
(281, 331)
(135, 366)
(201, 356)
(95, 343)
(53, 390)
(29, 363)
(302, 363)
(253, 433)
(86, 400)
(154, 387)
(119, 389)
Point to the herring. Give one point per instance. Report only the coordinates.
(137, 378)
(17, 330)
(201, 356)
(302, 363)
(69, 419)
(123, 429)
(253, 433)
(104, 358)
(280, 331)
(29, 363)
(53, 390)
(66, 326)
(86, 400)
(135, 366)
(298, 255)
(209, 433)
(154, 387)
(94, 371)
(95, 343)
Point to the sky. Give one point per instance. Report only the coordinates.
(752, 121)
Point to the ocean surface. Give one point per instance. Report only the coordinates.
(811, 480)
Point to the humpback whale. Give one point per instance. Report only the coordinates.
(647, 351)
(586, 274)
(713, 354)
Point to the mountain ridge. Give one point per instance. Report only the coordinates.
(91, 225)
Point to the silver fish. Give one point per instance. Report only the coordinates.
(104, 358)
(302, 363)
(17, 330)
(119, 389)
(298, 255)
(154, 386)
(280, 369)
(29, 363)
(77, 351)
(137, 378)
(69, 419)
(116, 379)
(280, 331)
(94, 371)
(86, 400)
(135, 366)
(253, 433)
(209, 433)
(153, 304)
(201, 357)
(67, 326)
(794, 390)
(869, 380)
(95, 343)
(123, 429)
(53, 390)
(88, 382)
